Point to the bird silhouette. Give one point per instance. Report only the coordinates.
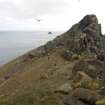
(38, 20)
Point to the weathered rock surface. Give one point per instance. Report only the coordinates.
(86, 95)
(92, 67)
(82, 96)
(71, 100)
(64, 89)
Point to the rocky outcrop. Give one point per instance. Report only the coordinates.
(71, 100)
(64, 89)
(84, 43)
(82, 96)
(84, 36)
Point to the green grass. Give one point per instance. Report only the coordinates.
(100, 101)
(31, 97)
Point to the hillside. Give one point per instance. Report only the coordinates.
(69, 70)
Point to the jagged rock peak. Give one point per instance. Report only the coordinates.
(89, 25)
(85, 36)
(89, 19)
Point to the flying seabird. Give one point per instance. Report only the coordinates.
(38, 20)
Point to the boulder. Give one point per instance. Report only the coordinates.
(81, 96)
(71, 100)
(67, 55)
(44, 76)
(83, 76)
(64, 89)
(101, 56)
(86, 95)
(83, 80)
(92, 67)
(75, 56)
(31, 55)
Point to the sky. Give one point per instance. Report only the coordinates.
(54, 15)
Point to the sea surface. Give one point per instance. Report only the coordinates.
(16, 43)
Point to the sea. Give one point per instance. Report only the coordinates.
(16, 43)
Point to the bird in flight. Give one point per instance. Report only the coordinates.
(38, 20)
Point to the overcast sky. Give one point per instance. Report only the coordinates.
(54, 14)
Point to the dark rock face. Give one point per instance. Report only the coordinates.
(88, 22)
(92, 30)
(85, 36)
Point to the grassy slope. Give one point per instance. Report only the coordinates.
(32, 82)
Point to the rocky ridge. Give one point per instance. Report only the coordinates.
(69, 70)
(84, 43)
